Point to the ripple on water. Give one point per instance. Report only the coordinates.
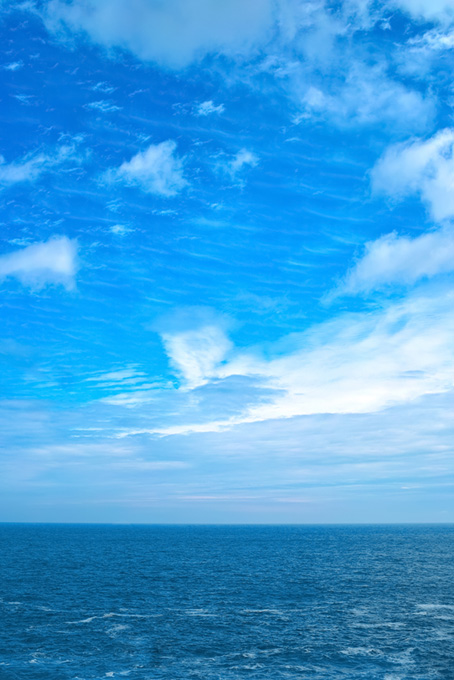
(264, 603)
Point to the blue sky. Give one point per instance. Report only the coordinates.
(227, 261)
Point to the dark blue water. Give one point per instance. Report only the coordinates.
(145, 602)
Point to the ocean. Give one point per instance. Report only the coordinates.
(86, 602)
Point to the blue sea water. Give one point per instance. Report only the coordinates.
(182, 602)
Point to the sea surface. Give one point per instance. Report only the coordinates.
(200, 602)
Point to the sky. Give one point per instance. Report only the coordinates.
(227, 261)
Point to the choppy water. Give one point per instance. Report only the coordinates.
(147, 602)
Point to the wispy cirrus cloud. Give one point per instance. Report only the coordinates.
(123, 376)
(157, 170)
(31, 166)
(207, 108)
(13, 66)
(120, 229)
(104, 106)
(103, 87)
(51, 262)
(126, 386)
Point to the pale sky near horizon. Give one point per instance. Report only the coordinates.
(227, 261)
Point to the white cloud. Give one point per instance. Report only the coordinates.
(103, 87)
(13, 66)
(436, 39)
(25, 99)
(208, 107)
(120, 376)
(197, 354)
(156, 170)
(422, 167)
(430, 10)
(357, 363)
(419, 57)
(362, 363)
(323, 459)
(173, 33)
(50, 262)
(366, 96)
(394, 259)
(127, 387)
(104, 106)
(34, 164)
(323, 63)
(303, 44)
(241, 160)
(120, 229)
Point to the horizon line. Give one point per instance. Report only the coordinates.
(230, 524)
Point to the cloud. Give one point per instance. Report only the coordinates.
(356, 363)
(120, 229)
(128, 375)
(50, 262)
(420, 167)
(208, 107)
(13, 66)
(320, 459)
(156, 170)
(422, 55)
(103, 87)
(243, 158)
(400, 260)
(197, 354)
(127, 387)
(361, 363)
(173, 34)
(33, 165)
(234, 166)
(104, 106)
(315, 52)
(429, 10)
(24, 99)
(321, 60)
(366, 96)
(436, 39)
